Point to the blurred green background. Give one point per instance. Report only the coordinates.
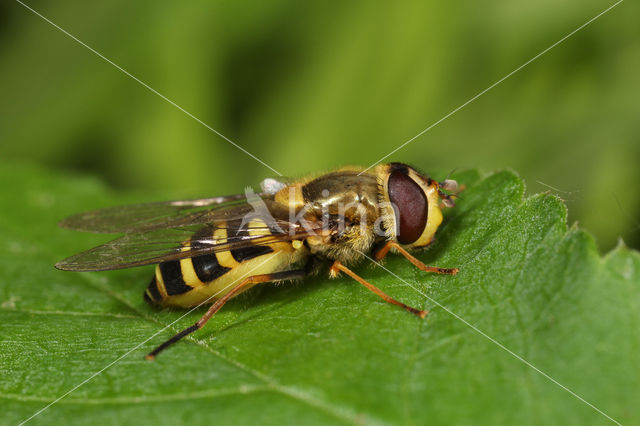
(308, 86)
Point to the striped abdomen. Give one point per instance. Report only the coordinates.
(191, 281)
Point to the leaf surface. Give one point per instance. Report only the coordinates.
(327, 351)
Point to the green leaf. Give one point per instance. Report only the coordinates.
(327, 351)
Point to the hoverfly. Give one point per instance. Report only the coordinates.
(210, 250)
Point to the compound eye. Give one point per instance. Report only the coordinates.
(411, 207)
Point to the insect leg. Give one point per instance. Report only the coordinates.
(380, 254)
(254, 279)
(337, 267)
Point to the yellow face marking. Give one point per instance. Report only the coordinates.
(296, 244)
(433, 220)
(224, 257)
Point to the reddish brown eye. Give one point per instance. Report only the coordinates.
(411, 207)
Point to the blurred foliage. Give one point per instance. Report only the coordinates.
(308, 86)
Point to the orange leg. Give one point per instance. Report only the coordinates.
(380, 254)
(337, 267)
(255, 279)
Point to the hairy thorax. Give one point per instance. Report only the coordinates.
(347, 205)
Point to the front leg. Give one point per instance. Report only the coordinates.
(338, 267)
(380, 254)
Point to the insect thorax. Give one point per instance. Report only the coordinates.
(347, 205)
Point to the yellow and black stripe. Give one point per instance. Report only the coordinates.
(179, 277)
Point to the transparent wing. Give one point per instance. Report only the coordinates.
(138, 249)
(159, 232)
(160, 215)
